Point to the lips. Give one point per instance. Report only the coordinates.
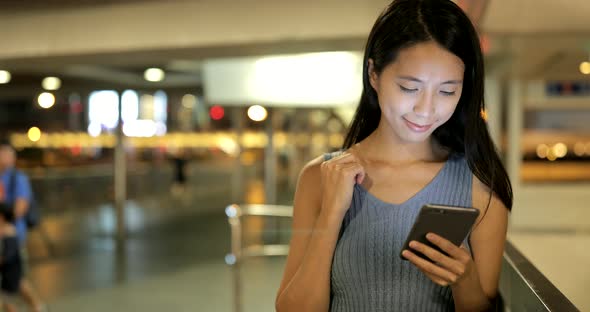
(417, 127)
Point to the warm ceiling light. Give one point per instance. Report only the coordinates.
(46, 100)
(51, 83)
(4, 76)
(257, 113)
(34, 134)
(154, 74)
(542, 150)
(585, 68)
(560, 150)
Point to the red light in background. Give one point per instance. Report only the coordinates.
(75, 150)
(216, 112)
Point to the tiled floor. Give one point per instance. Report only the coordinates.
(173, 259)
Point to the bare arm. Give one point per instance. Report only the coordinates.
(487, 244)
(317, 219)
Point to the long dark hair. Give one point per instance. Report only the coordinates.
(405, 23)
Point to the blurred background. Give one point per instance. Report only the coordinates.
(140, 121)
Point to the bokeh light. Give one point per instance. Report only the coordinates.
(51, 83)
(34, 134)
(154, 74)
(257, 113)
(46, 100)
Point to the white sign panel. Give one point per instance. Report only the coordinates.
(314, 80)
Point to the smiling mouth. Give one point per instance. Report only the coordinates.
(417, 127)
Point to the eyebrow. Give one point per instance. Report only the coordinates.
(410, 78)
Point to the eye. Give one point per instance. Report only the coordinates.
(447, 93)
(408, 90)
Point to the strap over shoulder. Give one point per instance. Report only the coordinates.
(328, 156)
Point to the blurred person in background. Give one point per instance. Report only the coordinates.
(179, 160)
(11, 266)
(417, 138)
(15, 192)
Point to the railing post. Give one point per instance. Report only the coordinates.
(240, 252)
(234, 259)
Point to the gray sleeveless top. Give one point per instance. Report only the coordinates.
(367, 271)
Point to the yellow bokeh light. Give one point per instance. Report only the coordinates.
(551, 155)
(51, 83)
(5, 76)
(542, 150)
(585, 68)
(560, 150)
(34, 134)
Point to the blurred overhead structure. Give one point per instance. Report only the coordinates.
(111, 42)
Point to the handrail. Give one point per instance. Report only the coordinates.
(259, 210)
(234, 213)
(522, 286)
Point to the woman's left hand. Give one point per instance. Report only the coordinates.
(443, 270)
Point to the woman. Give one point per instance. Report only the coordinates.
(417, 137)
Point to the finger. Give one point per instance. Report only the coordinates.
(353, 169)
(436, 279)
(350, 166)
(439, 258)
(430, 268)
(343, 156)
(451, 249)
(360, 177)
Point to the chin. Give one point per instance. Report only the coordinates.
(417, 138)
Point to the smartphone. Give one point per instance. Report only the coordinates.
(451, 222)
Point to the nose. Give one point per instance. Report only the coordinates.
(424, 107)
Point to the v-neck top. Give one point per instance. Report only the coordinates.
(367, 272)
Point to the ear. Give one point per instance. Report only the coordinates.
(373, 77)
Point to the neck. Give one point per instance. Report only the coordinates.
(384, 146)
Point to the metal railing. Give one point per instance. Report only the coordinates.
(522, 287)
(238, 252)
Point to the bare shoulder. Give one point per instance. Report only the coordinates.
(307, 199)
(310, 175)
(483, 200)
(311, 171)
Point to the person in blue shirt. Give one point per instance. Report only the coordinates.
(16, 192)
(19, 194)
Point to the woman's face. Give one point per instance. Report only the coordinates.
(419, 91)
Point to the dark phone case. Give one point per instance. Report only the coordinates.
(451, 222)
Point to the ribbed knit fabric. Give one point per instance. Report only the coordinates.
(367, 271)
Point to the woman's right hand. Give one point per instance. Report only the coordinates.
(339, 176)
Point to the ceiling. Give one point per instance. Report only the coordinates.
(530, 39)
(18, 5)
